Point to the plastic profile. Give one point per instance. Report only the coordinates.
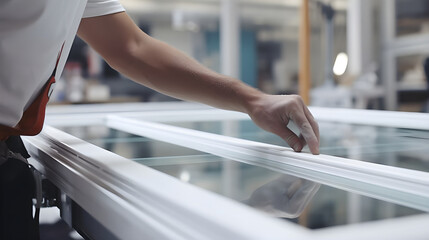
(173, 112)
(402, 186)
(122, 107)
(136, 202)
(410, 120)
(84, 115)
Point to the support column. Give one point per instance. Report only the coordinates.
(230, 38)
(359, 36)
(230, 65)
(388, 59)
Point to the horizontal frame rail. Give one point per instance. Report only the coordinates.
(397, 185)
(182, 111)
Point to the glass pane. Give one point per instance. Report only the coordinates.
(279, 195)
(127, 145)
(404, 148)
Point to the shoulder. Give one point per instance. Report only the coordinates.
(95, 8)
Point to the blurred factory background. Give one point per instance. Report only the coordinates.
(363, 53)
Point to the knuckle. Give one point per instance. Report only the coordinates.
(293, 106)
(297, 99)
(305, 126)
(316, 126)
(294, 103)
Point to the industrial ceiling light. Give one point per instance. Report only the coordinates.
(340, 64)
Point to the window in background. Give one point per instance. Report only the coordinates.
(412, 17)
(405, 51)
(275, 25)
(412, 82)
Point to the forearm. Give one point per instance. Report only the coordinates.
(167, 70)
(156, 65)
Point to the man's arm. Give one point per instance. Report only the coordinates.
(157, 65)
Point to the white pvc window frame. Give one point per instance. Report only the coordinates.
(136, 202)
(91, 114)
(383, 182)
(402, 186)
(393, 184)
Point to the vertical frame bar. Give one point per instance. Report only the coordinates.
(304, 53)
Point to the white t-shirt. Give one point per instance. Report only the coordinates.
(31, 36)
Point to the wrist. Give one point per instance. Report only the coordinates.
(249, 99)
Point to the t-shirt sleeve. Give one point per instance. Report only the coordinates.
(96, 8)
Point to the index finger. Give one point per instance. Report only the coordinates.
(307, 131)
(313, 122)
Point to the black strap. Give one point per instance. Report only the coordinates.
(15, 144)
(17, 192)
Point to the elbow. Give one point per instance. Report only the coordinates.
(123, 57)
(134, 61)
(129, 54)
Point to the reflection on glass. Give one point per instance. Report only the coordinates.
(286, 196)
(279, 195)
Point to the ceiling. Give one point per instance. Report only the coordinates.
(205, 13)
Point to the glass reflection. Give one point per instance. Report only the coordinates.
(282, 196)
(286, 196)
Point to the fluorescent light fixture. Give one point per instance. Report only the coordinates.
(340, 64)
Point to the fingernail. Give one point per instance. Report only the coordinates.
(297, 147)
(317, 151)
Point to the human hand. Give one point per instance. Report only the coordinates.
(286, 196)
(273, 113)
